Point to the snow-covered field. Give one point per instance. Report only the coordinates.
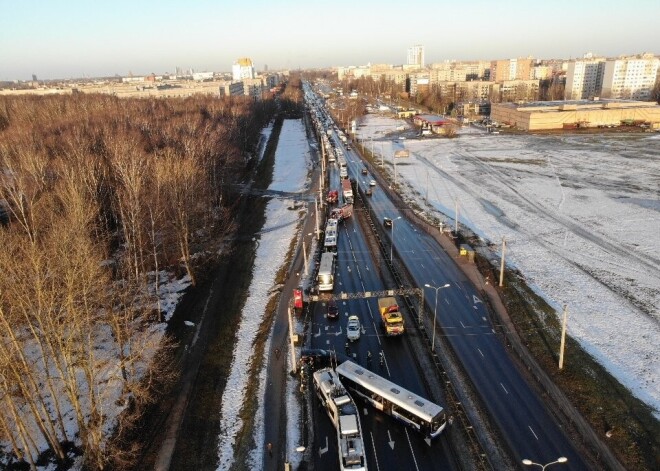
(581, 216)
(292, 165)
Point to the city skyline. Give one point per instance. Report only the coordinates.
(59, 39)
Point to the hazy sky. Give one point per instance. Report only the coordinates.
(74, 38)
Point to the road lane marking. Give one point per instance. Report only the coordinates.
(411, 450)
(479, 350)
(390, 442)
(462, 324)
(373, 445)
(532, 430)
(324, 450)
(505, 391)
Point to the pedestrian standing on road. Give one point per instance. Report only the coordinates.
(270, 449)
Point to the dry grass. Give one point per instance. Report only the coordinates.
(602, 400)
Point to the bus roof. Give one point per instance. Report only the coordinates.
(394, 393)
(327, 261)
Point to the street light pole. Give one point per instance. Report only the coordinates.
(435, 309)
(392, 241)
(561, 459)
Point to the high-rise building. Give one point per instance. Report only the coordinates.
(416, 56)
(510, 69)
(243, 69)
(631, 77)
(584, 77)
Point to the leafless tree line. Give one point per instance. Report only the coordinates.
(102, 194)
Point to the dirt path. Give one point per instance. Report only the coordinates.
(275, 401)
(181, 430)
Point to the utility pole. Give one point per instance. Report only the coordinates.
(316, 212)
(563, 338)
(305, 256)
(381, 154)
(502, 262)
(293, 343)
(421, 310)
(393, 159)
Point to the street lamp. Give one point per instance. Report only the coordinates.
(392, 244)
(561, 459)
(435, 309)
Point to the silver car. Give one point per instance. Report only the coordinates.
(353, 328)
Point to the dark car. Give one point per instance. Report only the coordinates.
(333, 310)
(364, 171)
(387, 222)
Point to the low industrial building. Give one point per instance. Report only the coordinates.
(542, 115)
(430, 122)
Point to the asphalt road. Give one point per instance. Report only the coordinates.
(462, 319)
(389, 444)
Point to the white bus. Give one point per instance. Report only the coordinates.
(326, 276)
(418, 413)
(330, 239)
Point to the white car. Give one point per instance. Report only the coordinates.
(353, 328)
(372, 183)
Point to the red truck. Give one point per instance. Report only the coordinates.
(342, 213)
(333, 197)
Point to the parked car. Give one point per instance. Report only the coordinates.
(353, 328)
(387, 222)
(333, 310)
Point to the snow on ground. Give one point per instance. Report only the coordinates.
(170, 291)
(108, 385)
(581, 216)
(292, 165)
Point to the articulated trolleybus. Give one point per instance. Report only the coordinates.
(418, 413)
(344, 416)
(326, 276)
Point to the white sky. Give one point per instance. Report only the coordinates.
(75, 38)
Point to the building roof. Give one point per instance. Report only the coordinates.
(432, 119)
(567, 105)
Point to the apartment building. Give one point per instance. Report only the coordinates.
(511, 69)
(398, 76)
(459, 71)
(584, 77)
(231, 89)
(630, 77)
(243, 69)
(353, 72)
(416, 56)
(419, 83)
(253, 87)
